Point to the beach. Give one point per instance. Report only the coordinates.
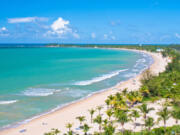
(60, 117)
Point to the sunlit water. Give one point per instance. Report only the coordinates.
(36, 80)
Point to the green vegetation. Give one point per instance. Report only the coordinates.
(125, 107)
(174, 130)
(151, 48)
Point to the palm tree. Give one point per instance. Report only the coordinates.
(109, 129)
(164, 115)
(145, 110)
(149, 122)
(122, 117)
(118, 96)
(135, 115)
(99, 121)
(109, 113)
(176, 115)
(81, 119)
(110, 97)
(144, 90)
(111, 100)
(130, 98)
(96, 133)
(173, 92)
(56, 131)
(124, 92)
(49, 133)
(91, 111)
(105, 122)
(69, 133)
(134, 97)
(85, 128)
(107, 103)
(69, 126)
(99, 109)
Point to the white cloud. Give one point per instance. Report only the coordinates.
(26, 19)
(93, 35)
(4, 32)
(177, 35)
(3, 29)
(59, 28)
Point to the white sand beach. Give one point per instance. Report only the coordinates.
(59, 118)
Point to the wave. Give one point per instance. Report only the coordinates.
(139, 61)
(39, 92)
(101, 78)
(135, 70)
(8, 102)
(130, 75)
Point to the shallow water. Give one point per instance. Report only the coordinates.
(36, 80)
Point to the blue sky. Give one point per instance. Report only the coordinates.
(90, 21)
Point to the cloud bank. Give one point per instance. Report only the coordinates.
(26, 19)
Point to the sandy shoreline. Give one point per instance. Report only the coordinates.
(59, 118)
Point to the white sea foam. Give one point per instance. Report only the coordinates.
(130, 75)
(38, 92)
(135, 70)
(139, 61)
(76, 93)
(8, 102)
(101, 78)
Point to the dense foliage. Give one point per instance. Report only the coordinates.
(174, 130)
(166, 84)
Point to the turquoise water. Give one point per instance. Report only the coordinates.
(36, 80)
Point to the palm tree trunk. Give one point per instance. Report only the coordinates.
(145, 116)
(141, 128)
(165, 126)
(80, 124)
(100, 128)
(135, 123)
(122, 124)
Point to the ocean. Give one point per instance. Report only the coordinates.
(34, 81)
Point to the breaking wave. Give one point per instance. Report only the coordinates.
(101, 78)
(8, 102)
(38, 92)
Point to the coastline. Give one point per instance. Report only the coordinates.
(68, 113)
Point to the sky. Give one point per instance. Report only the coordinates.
(90, 21)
